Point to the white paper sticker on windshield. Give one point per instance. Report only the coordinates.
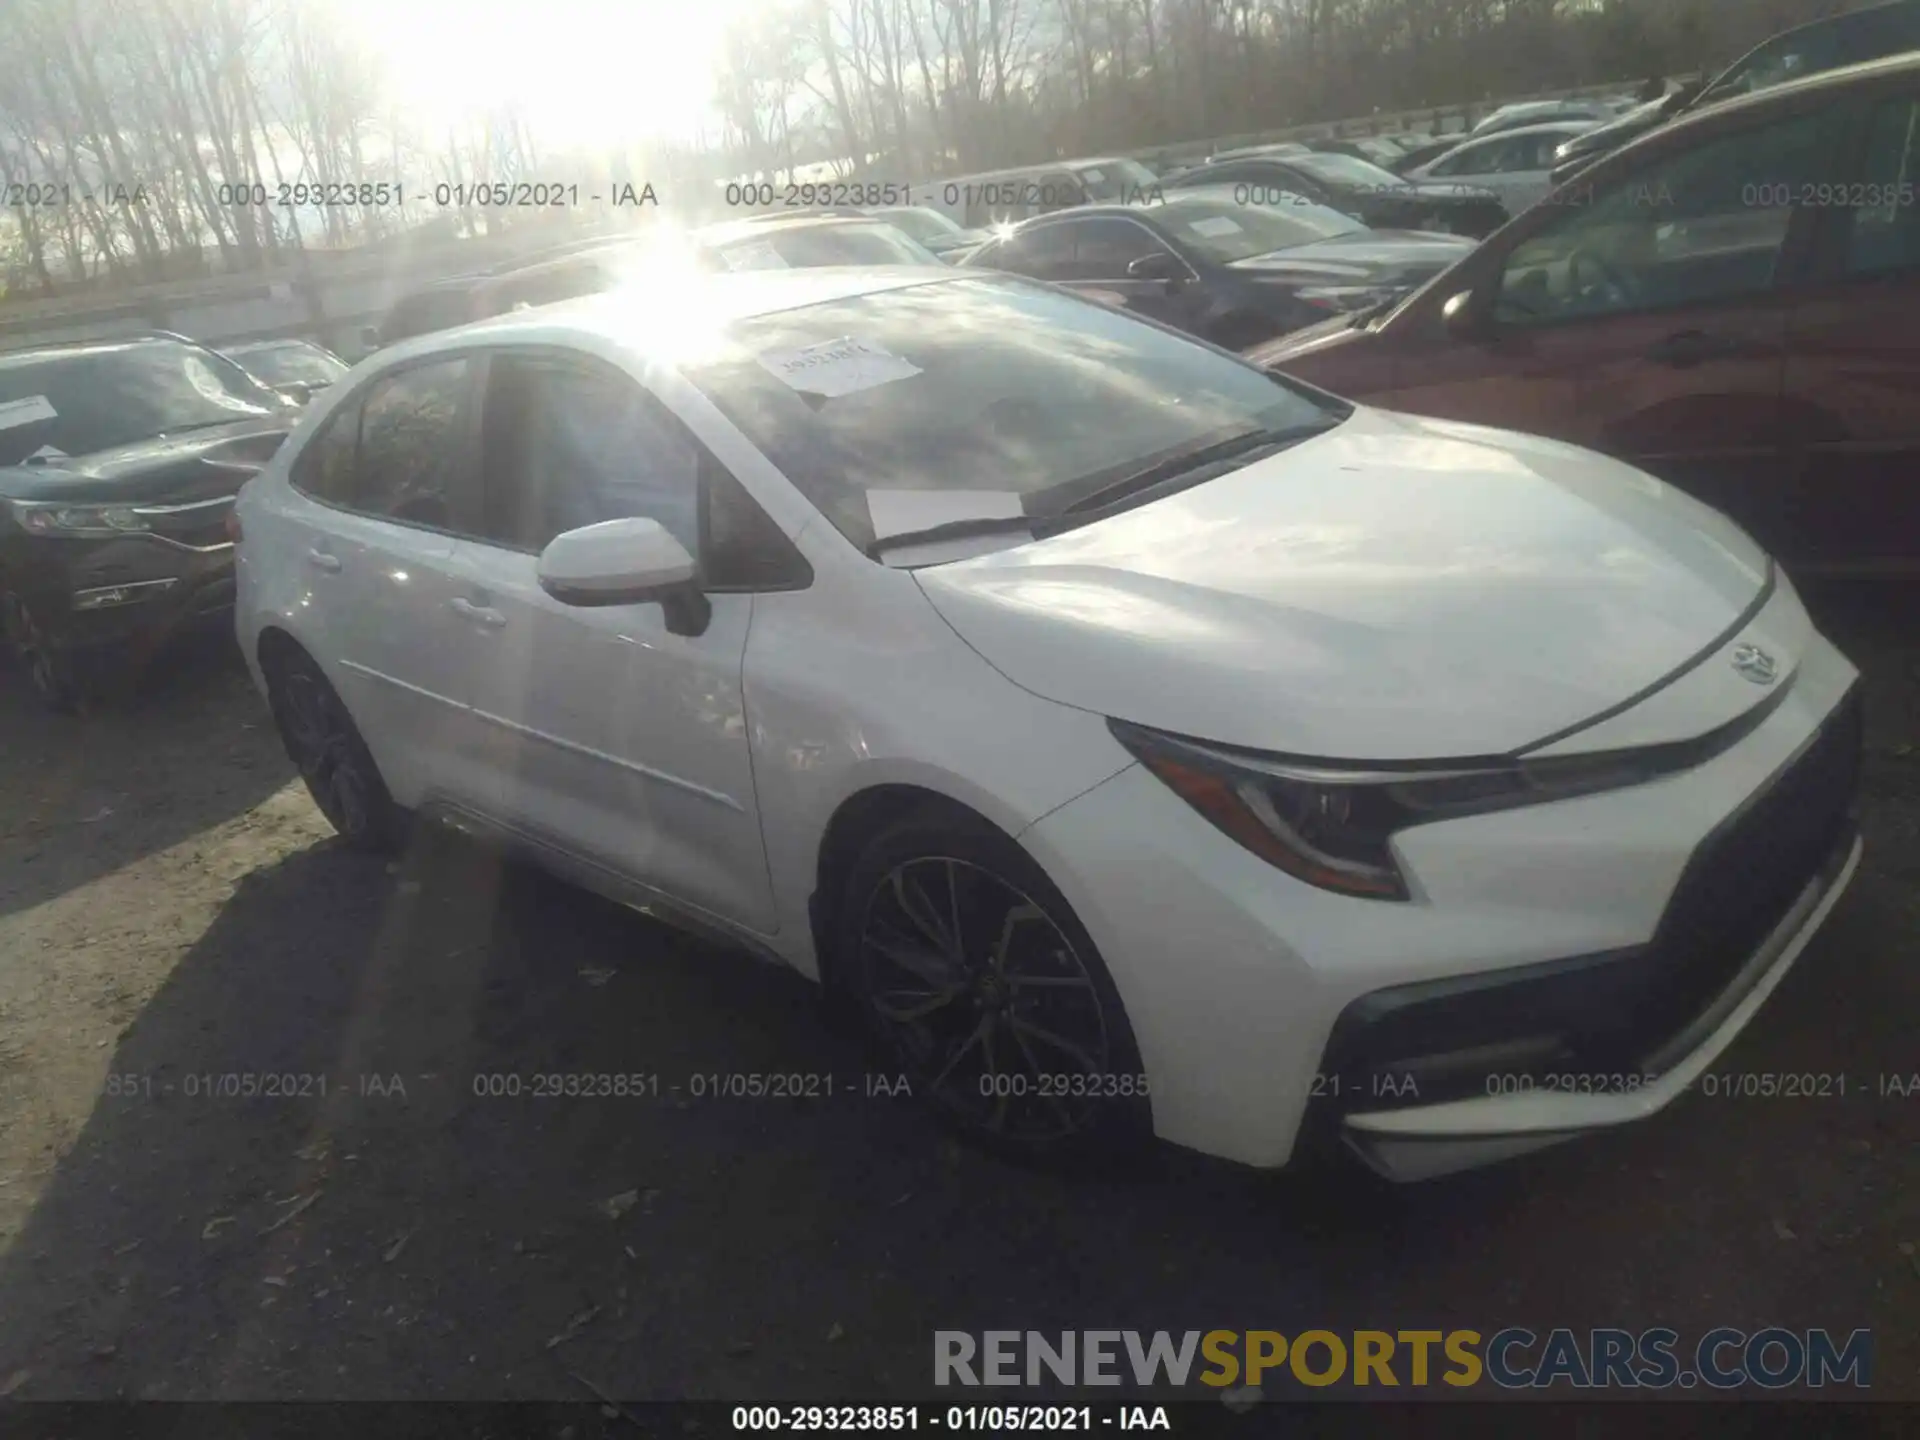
(896, 512)
(15, 413)
(1215, 227)
(837, 367)
(753, 257)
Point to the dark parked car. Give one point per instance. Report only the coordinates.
(1235, 274)
(1797, 54)
(1373, 196)
(1731, 303)
(298, 369)
(119, 461)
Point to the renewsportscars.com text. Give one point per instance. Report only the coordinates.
(1511, 1358)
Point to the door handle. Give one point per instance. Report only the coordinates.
(493, 619)
(1691, 347)
(320, 560)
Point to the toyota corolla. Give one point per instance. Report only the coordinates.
(1142, 744)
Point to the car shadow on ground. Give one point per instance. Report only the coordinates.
(224, 1228)
(132, 774)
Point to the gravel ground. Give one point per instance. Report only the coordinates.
(173, 910)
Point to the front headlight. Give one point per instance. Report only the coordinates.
(1333, 826)
(47, 517)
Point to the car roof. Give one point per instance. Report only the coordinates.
(723, 297)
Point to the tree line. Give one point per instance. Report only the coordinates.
(187, 99)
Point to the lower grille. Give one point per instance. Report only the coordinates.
(1611, 1014)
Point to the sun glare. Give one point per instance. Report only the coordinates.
(581, 74)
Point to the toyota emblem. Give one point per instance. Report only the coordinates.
(1755, 664)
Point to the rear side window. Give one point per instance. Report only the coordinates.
(1885, 217)
(325, 468)
(395, 451)
(1045, 252)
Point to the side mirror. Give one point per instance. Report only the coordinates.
(626, 562)
(298, 391)
(1160, 265)
(1463, 319)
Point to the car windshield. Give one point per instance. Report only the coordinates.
(292, 363)
(803, 247)
(1225, 231)
(993, 394)
(1114, 179)
(921, 224)
(94, 397)
(1347, 170)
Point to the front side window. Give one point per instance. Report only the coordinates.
(978, 384)
(1045, 252)
(411, 432)
(1884, 219)
(1104, 248)
(567, 444)
(89, 398)
(1708, 224)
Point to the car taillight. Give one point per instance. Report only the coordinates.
(233, 526)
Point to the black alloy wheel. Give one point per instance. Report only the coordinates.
(978, 982)
(339, 771)
(46, 668)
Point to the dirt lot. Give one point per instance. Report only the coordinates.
(172, 911)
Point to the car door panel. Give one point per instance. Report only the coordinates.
(1853, 369)
(602, 731)
(379, 495)
(620, 742)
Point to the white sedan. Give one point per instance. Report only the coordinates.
(1140, 743)
(1517, 165)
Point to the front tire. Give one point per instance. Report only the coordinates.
(47, 669)
(976, 980)
(339, 771)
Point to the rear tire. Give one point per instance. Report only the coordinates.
(339, 771)
(977, 982)
(48, 672)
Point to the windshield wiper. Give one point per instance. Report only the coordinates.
(956, 530)
(1188, 462)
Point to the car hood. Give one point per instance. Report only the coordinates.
(192, 465)
(1396, 589)
(1387, 257)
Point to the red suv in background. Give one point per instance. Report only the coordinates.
(1731, 303)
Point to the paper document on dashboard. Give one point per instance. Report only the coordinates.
(838, 367)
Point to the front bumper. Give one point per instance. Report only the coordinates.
(1236, 978)
(98, 599)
